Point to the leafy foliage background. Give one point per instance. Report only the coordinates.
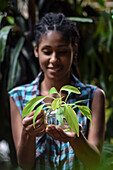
(19, 66)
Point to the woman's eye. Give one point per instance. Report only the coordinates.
(47, 52)
(62, 52)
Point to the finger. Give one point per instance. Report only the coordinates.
(80, 127)
(39, 130)
(36, 133)
(49, 130)
(38, 125)
(64, 136)
(27, 121)
(31, 114)
(40, 114)
(34, 130)
(54, 133)
(39, 122)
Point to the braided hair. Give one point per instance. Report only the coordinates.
(58, 22)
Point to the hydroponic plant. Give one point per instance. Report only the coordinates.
(62, 108)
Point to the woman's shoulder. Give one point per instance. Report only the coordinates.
(26, 87)
(99, 93)
(83, 86)
(20, 89)
(88, 90)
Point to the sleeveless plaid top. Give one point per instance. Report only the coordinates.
(52, 154)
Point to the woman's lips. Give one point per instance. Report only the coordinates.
(54, 70)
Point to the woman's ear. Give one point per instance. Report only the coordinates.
(35, 51)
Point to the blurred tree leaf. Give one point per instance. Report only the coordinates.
(101, 2)
(3, 39)
(110, 35)
(13, 62)
(1, 17)
(107, 157)
(78, 19)
(11, 20)
(3, 5)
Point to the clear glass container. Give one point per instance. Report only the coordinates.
(50, 119)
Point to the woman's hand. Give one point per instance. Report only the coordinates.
(39, 124)
(58, 134)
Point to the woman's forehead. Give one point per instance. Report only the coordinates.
(54, 36)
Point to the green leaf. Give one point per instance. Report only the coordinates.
(70, 89)
(59, 115)
(3, 39)
(81, 19)
(75, 103)
(110, 35)
(85, 111)
(52, 90)
(71, 118)
(55, 104)
(29, 60)
(31, 105)
(13, 62)
(101, 2)
(36, 113)
(48, 107)
(80, 101)
(1, 17)
(11, 20)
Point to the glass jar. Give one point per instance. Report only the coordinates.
(50, 119)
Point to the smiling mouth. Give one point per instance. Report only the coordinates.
(54, 69)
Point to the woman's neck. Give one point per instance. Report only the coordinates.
(46, 85)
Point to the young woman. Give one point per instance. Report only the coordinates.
(51, 148)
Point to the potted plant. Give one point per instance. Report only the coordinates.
(59, 107)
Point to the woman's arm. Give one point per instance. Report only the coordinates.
(88, 150)
(24, 143)
(24, 136)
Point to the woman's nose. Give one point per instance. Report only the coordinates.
(54, 57)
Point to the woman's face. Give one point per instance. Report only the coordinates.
(55, 56)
